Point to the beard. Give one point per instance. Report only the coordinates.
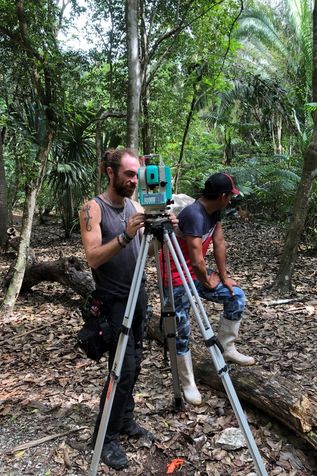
(121, 188)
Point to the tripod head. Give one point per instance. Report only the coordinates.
(157, 224)
(154, 185)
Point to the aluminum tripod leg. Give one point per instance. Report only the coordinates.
(115, 373)
(213, 348)
(169, 324)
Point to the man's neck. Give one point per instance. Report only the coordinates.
(113, 198)
(210, 206)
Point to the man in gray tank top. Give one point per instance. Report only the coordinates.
(111, 229)
(111, 232)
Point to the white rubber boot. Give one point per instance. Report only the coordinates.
(228, 333)
(186, 376)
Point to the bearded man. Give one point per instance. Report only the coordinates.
(111, 229)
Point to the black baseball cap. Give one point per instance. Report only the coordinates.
(220, 183)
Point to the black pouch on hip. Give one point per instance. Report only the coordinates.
(94, 338)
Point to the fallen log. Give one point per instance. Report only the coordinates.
(69, 272)
(275, 395)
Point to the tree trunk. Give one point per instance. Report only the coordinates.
(277, 397)
(27, 221)
(273, 135)
(20, 265)
(145, 89)
(98, 157)
(283, 281)
(228, 150)
(146, 131)
(134, 76)
(279, 125)
(110, 54)
(14, 186)
(181, 154)
(3, 195)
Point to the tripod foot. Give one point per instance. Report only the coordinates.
(178, 405)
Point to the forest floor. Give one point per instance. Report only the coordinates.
(49, 391)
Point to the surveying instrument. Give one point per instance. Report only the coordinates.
(155, 194)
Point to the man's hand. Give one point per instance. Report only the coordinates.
(229, 283)
(213, 280)
(134, 223)
(173, 219)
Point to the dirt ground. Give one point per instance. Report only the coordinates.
(49, 391)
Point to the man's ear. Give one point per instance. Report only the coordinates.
(223, 200)
(109, 172)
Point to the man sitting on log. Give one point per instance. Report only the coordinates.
(199, 225)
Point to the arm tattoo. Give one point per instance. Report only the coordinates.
(87, 217)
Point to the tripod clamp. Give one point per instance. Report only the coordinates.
(215, 341)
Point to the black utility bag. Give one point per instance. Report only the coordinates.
(95, 336)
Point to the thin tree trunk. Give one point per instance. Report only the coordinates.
(146, 131)
(3, 195)
(20, 265)
(98, 157)
(68, 211)
(181, 154)
(314, 82)
(283, 281)
(145, 89)
(14, 186)
(110, 51)
(273, 136)
(228, 150)
(27, 221)
(134, 76)
(279, 134)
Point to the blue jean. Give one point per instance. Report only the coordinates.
(233, 307)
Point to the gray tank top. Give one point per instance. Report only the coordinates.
(115, 276)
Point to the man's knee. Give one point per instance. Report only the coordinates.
(239, 295)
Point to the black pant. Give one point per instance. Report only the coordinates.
(123, 404)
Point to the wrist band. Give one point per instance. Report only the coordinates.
(126, 237)
(121, 244)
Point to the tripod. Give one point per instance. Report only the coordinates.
(160, 228)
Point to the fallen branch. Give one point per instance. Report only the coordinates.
(38, 442)
(278, 302)
(23, 334)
